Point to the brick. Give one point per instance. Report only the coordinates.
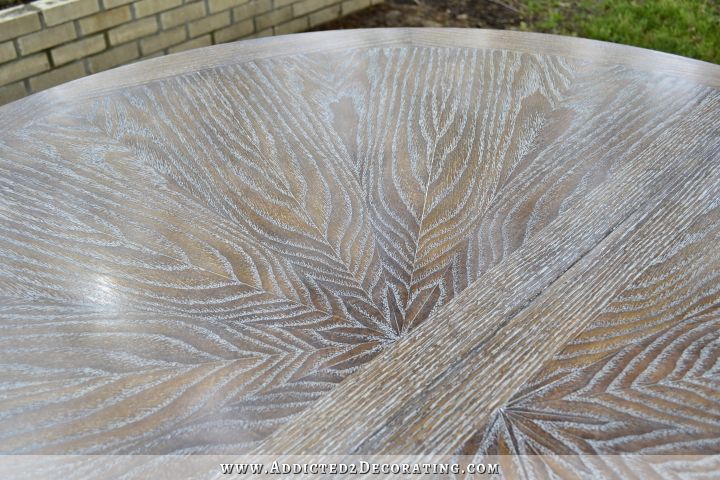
(204, 41)
(23, 68)
(114, 57)
(12, 92)
(162, 40)
(56, 12)
(324, 15)
(108, 4)
(7, 52)
(307, 6)
(81, 48)
(131, 31)
(254, 7)
(353, 6)
(218, 5)
(18, 21)
(184, 14)
(293, 26)
(46, 38)
(104, 20)
(148, 57)
(57, 76)
(273, 18)
(209, 24)
(150, 7)
(235, 31)
(268, 32)
(282, 3)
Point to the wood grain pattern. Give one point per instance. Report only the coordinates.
(514, 318)
(641, 378)
(191, 261)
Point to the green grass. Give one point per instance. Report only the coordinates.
(685, 27)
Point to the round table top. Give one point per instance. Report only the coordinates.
(396, 241)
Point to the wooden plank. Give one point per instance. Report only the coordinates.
(499, 332)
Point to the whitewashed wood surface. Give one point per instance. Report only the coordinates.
(413, 242)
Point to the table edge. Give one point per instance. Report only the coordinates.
(150, 70)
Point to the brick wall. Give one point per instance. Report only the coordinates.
(49, 42)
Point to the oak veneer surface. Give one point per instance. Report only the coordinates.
(387, 241)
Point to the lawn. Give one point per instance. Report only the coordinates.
(685, 27)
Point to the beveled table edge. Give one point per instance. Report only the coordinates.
(150, 70)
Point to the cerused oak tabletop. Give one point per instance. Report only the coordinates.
(372, 241)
